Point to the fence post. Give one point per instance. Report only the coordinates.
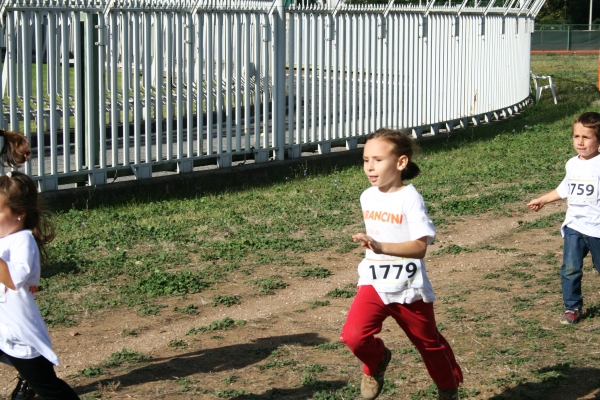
(568, 37)
(92, 112)
(279, 96)
(3, 50)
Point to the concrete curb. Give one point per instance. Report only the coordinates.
(198, 183)
(195, 183)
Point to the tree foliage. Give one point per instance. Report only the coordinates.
(569, 12)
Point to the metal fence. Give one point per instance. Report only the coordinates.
(567, 27)
(127, 87)
(566, 37)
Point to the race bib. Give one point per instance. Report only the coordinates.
(394, 275)
(583, 190)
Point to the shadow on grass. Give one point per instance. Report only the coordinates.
(227, 358)
(557, 382)
(591, 312)
(60, 267)
(303, 392)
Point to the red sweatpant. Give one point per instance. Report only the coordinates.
(365, 319)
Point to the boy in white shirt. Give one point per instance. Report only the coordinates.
(581, 228)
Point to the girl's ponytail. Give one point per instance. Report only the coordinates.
(411, 171)
(15, 150)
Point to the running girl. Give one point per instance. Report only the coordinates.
(24, 339)
(392, 277)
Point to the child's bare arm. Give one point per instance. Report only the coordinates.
(537, 204)
(5, 277)
(411, 249)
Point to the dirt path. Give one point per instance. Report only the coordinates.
(281, 330)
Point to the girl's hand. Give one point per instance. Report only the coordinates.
(409, 249)
(33, 289)
(368, 242)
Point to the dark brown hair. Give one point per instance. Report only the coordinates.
(590, 120)
(19, 192)
(15, 150)
(403, 146)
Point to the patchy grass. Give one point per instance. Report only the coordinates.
(222, 325)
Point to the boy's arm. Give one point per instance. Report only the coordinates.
(537, 204)
(411, 249)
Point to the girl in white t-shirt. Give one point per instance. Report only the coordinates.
(24, 340)
(581, 228)
(392, 277)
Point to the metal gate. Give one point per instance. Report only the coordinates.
(127, 87)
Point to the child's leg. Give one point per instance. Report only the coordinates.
(364, 320)
(417, 320)
(593, 243)
(575, 249)
(39, 373)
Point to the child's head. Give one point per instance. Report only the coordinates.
(395, 149)
(586, 135)
(402, 145)
(18, 192)
(590, 120)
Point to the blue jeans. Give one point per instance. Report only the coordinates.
(577, 246)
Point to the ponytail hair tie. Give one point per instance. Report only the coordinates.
(9, 174)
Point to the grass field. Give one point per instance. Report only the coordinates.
(138, 243)
(135, 255)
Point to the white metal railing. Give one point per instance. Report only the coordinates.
(123, 86)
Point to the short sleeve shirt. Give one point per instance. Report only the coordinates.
(23, 333)
(396, 217)
(580, 187)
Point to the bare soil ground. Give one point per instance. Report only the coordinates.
(274, 355)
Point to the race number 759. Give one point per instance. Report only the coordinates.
(580, 189)
(583, 190)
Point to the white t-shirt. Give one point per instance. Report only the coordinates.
(395, 218)
(580, 187)
(23, 333)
